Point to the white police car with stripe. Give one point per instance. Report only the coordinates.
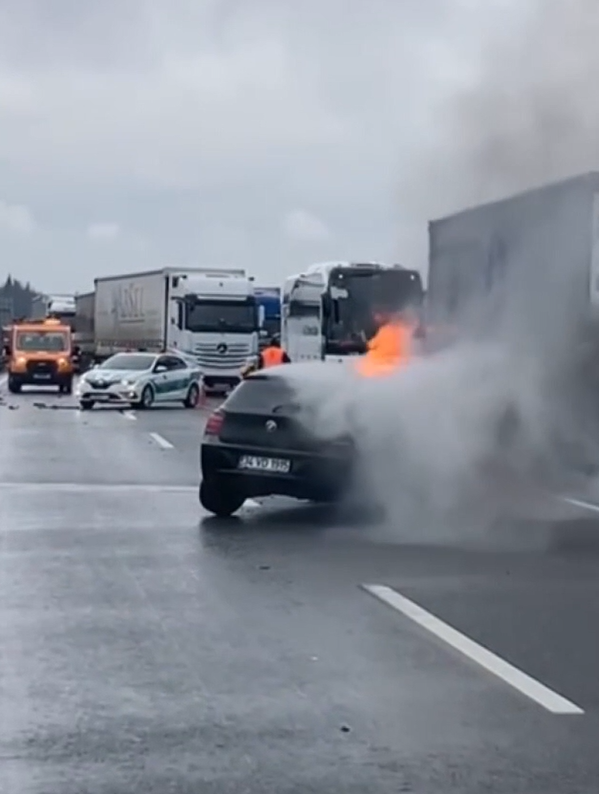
(140, 380)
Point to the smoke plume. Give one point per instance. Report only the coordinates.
(530, 117)
(456, 439)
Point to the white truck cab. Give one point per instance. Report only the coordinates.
(217, 323)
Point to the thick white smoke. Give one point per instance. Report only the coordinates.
(454, 440)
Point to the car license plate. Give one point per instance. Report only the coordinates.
(42, 376)
(254, 463)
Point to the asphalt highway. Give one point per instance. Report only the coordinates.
(147, 648)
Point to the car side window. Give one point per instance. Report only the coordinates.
(176, 363)
(162, 362)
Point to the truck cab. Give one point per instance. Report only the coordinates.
(39, 353)
(219, 324)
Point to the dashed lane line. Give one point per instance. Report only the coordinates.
(161, 441)
(129, 415)
(523, 683)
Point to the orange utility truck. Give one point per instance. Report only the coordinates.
(38, 353)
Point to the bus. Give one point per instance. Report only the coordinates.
(327, 311)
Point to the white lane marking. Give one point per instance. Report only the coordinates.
(129, 415)
(162, 442)
(581, 503)
(526, 685)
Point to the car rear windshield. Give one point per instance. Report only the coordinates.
(260, 394)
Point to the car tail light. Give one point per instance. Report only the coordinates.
(214, 424)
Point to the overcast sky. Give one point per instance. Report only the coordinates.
(268, 134)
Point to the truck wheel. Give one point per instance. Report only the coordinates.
(147, 398)
(218, 497)
(86, 405)
(14, 387)
(193, 396)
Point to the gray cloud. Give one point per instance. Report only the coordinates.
(195, 125)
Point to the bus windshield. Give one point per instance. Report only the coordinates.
(354, 296)
(213, 315)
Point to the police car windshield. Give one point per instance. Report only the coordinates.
(129, 361)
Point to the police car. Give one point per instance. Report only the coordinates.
(140, 380)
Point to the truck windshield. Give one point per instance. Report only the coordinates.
(221, 316)
(48, 341)
(354, 296)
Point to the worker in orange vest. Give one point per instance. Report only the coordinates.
(392, 345)
(271, 356)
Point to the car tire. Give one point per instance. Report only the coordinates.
(14, 387)
(147, 398)
(86, 405)
(219, 498)
(193, 396)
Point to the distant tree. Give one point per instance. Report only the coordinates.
(18, 296)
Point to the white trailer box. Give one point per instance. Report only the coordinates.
(531, 260)
(134, 311)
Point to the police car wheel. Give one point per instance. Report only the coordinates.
(218, 498)
(193, 396)
(147, 397)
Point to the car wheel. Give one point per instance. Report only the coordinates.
(193, 396)
(218, 497)
(86, 405)
(147, 398)
(14, 387)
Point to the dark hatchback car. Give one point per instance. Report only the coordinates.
(258, 443)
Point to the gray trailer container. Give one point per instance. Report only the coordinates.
(83, 336)
(531, 261)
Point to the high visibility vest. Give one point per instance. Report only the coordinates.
(389, 349)
(272, 356)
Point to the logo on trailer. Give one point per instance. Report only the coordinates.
(271, 426)
(221, 348)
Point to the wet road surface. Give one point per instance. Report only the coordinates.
(148, 648)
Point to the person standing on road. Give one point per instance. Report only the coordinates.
(271, 356)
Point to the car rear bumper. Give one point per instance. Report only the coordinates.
(311, 476)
